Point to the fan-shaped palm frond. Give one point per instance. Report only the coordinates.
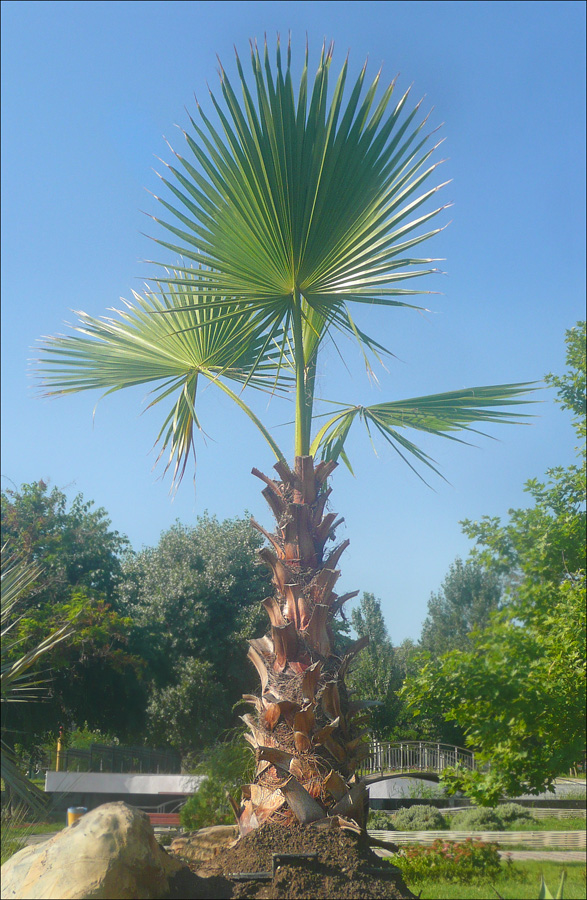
(302, 206)
(439, 414)
(172, 340)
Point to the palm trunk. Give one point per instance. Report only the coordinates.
(308, 738)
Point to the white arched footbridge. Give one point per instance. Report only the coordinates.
(416, 759)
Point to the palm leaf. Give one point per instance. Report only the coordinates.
(438, 414)
(172, 340)
(315, 199)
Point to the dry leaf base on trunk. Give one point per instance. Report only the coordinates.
(307, 735)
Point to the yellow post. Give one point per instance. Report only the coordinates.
(59, 760)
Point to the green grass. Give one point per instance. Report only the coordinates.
(553, 824)
(14, 836)
(521, 883)
(44, 827)
(550, 824)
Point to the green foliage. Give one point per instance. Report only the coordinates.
(195, 599)
(519, 692)
(82, 738)
(545, 893)
(288, 213)
(478, 819)
(419, 818)
(75, 546)
(468, 595)
(227, 766)
(511, 813)
(12, 833)
(93, 674)
(375, 676)
(467, 862)
(191, 711)
(517, 881)
(18, 685)
(548, 824)
(380, 820)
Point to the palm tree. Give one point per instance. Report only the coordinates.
(284, 217)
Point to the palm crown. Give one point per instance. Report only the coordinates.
(285, 214)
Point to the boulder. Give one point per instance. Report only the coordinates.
(205, 843)
(109, 853)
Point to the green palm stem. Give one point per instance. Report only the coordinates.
(246, 409)
(303, 413)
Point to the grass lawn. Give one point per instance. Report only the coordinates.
(14, 838)
(43, 827)
(522, 882)
(554, 824)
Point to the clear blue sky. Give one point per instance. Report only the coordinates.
(89, 91)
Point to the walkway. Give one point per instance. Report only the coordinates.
(553, 856)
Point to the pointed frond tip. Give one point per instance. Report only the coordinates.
(437, 414)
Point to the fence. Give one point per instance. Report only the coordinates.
(561, 840)
(102, 758)
(414, 756)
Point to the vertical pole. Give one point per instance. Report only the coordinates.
(59, 759)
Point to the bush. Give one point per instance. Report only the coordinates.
(227, 767)
(511, 813)
(478, 818)
(381, 820)
(468, 862)
(419, 818)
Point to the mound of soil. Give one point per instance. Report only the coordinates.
(344, 867)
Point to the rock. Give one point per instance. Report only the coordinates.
(109, 853)
(205, 843)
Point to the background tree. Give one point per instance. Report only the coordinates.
(289, 212)
(467, 597)
(194, 599)
(94, 676)
(374, 674)
(519, 692)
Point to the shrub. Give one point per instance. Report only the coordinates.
(226, 766)
(466, 863)
(511, 813)
(381, 820)
(419, 818)
(478, 818)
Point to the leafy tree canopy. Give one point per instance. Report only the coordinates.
(374, 675)
(195, 599)
(76, 546)
(93, 675)
(468, 595)
(519, 693)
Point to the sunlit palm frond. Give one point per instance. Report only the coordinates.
(16, 684)
(171, 340)
(438, 414)
(312, 196)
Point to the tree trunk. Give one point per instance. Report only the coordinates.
(307, 736)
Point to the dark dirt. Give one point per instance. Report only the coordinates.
(345, 868)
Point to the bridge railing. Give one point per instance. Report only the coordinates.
(414, 756)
